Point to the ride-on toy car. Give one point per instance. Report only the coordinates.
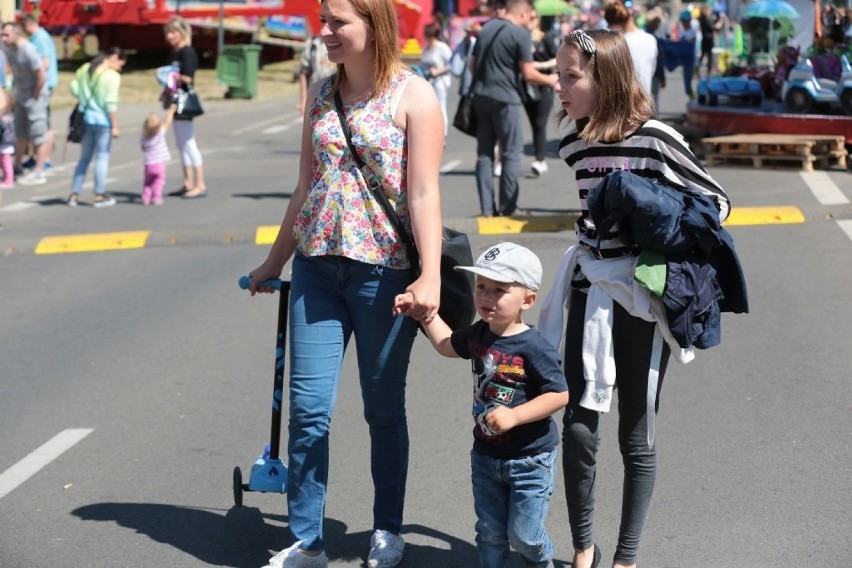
(734, 88)
(803, 91)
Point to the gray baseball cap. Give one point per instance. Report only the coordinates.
(508, 262)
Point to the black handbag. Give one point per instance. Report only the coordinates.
(457, 308)
(76, 125)
(465, 117)
(188, 103)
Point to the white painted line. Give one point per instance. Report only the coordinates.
(39, 458)
(846, 225)
(450, 166)
(18, 206)
(276, 129)
(258, 125)
(825, 190)
(230, 149)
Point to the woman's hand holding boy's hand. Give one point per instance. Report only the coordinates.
(402, 303)
(406, 305)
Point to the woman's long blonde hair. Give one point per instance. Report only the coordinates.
(381, 19)
(623, 104)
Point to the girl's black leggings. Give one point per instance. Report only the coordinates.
(632, 346)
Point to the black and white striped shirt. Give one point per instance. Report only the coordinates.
(654, 151)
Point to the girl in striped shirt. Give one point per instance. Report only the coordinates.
(613, 129)
(155, 153)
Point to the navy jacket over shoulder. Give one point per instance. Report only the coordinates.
(704, 276)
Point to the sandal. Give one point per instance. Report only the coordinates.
(195, 193)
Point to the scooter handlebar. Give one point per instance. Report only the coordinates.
(245, 283)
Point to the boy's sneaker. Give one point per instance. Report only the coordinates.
(386, 550)
(539, 168)
(104, 200)
(292, 558)
(72, 200)
(33, 178)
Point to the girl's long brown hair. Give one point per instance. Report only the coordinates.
(623, 104)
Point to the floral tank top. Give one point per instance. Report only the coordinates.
(340, 216)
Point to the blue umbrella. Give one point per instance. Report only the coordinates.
(771, 9)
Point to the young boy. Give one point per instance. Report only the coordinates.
(518, 383)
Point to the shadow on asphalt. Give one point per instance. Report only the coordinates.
(257, 196)
(243, 539)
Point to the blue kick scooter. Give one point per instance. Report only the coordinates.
(269, 473)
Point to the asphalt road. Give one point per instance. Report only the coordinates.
(150, 372)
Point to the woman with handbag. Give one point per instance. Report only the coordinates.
(179, 37)
(96, 86)
(349, 263)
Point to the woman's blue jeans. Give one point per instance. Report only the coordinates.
(331, 298)
(96, 143)
(511, 498)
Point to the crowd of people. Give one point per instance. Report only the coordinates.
(27, 137)
(372, 141)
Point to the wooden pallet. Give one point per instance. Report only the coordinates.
(803, 150)
(805, 163)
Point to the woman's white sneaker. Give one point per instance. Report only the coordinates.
(292, 558)
(539, 168)
(386, 550)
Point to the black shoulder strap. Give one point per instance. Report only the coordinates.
(376, 189)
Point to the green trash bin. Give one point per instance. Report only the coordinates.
(236, 67)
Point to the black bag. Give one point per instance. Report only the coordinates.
(465, 118)
(529, 93)
(188, 103)
(76, 125)
(456, 308)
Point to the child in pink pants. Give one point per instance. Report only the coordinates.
(155, 152)
(7, 141)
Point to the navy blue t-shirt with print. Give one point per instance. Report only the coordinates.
(509, 371)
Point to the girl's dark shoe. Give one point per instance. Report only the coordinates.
(597, 559)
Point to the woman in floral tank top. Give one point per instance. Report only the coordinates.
(349, 264)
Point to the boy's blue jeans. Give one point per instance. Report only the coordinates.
(331, 298)
(511, 497)
(96, 143)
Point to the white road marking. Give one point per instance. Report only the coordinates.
(39, 458)
(18, 206)
(846, 225)
(262, 123)
(276, 129)
(450, 166)
(823, 188)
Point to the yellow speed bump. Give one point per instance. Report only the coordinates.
(266, 234)
(765, 216)
(94, 242)
(532, 224)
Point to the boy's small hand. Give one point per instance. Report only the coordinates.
(402, 303)
(501, 419)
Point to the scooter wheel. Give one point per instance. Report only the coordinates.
(238, 487)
